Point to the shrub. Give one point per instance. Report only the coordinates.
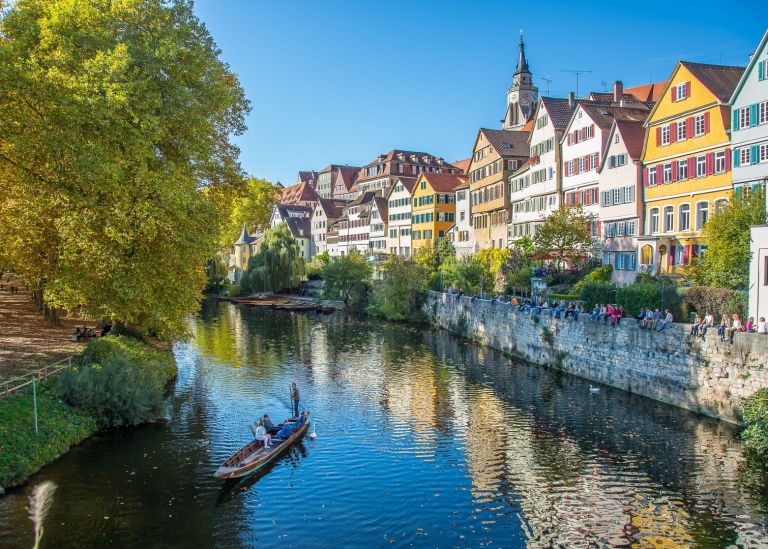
(564, 297)
(597, 292)
(718, 301)
(600, 274)
(755, 415)
(120, 381)
(399, 295)
(638, 296)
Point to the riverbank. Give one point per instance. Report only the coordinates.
(117, 381)
(708, 377)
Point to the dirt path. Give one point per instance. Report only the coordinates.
(26, 339)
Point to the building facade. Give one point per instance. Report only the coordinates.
(461, 234)
(687, 159)
(382, 172)
(496, 155)
(325, 214)
(377, 221)
(399, 199)
(353, 227)
(434, 207)
(621, 198)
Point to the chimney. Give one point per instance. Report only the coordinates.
(571, 100)
(618, 91)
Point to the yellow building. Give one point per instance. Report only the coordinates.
(434, 206)
(246, 247)
(687, 163)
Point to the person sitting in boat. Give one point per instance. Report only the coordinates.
(261, 434)
(270, 427)
(285, 432)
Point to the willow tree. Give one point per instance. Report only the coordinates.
(114, 116)
(277, 265)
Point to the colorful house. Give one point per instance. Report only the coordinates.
(687, 163)
(434, 206)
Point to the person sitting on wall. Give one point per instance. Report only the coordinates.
(697, 322)
(761, 326)
(667, 320)
(722, 327)
(750, 327)
(706, 324)
(640, 317)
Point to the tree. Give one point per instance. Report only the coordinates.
(396, 295)
(115, 116)
(565, 234)
(493, 260)
(471, 274)
(251, 206)
(277, 265)
(347, 277)
(216, 271)
(726, 262)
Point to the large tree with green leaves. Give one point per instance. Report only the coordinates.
(249, 204)
(565, 234)
(114, 117)
(347, 277)
(397, 295)
(727, 234)
(277, 266)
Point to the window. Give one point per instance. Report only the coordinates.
(617, 138)
(744, 157)
(652, 176)
(462, 215)
(720, 162)
(680, 255)
(617, 196)
(423, 185)
(701, 166)
(682, 170)
(684, 218)
(702, 215)
(743, 117)
(681, 91)
(620, 261)
(632, 228)
(654, 221)
(667, 173)
(720, 204)
(669, 219)
(581, 164)
(592, 159)
(698, 125)
(762, 117)
(665, 135)
(680, 136)
(629, 194)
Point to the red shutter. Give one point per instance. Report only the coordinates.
(672, 94)
(674, 170)
(710, 163)
(645, 177)
(694, 250)
(569, 138)
(593, 130)
(688, 89)
(588, 197)
(577, 196)
(686, 254)
(691, 167)
(727, 159)
(597, 159)
(673, 132)
(689, 127)
(706, 122)
(658, 136)
(597, 228)
(671, 260)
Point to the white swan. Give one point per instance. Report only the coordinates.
(594, 389)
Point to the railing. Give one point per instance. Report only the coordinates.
(41, 374)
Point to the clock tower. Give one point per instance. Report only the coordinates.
(522, 96)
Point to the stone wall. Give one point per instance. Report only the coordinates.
(709, 377)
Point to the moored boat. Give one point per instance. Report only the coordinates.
(255, 455)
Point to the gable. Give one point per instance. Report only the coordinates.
(753, 84)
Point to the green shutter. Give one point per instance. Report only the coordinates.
(761, 70)
(735, 158)
(754, 154)
(753, 115)
(735, 119)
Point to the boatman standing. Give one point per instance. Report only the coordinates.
(295, 399)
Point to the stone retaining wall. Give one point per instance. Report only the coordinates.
(709, 377)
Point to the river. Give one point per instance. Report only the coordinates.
(423, 440)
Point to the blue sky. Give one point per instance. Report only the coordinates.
(342, 82)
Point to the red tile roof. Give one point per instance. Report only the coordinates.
(463, 165)
(301, 192)
(647, 92)
(633, 135)
(444, 182)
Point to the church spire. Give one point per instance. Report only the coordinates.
(522, 64)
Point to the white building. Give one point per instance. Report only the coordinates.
(326, 212)
(399, 216)
(621, 198)
(281, 212)
(534, 189)
(353, 227)
(377, 221)
(461, 234)
(749, 141)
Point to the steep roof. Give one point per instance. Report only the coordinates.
(331, 208)
(444, 182)
(285, 209)
(408, 182)
(721, 80)
(559, 111)
(632, 133)
(382, 206)
(334, 167)
(647, 92)
(365, 198)
(245, 238)
(508, 142)
(463, 165)
(300, 192)
(307, 176)
(604, 116)
(299, 226)
(755, 58)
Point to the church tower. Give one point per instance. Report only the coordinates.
(522, 96)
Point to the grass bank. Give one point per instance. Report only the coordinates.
(117, 381)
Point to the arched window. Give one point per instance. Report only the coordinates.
(720, 204)
(669, 219)
(684, 218)
(702, 215)
(653, 221)
(646, 255)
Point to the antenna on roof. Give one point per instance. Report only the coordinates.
(605, 85)
(577, 73)
(548, 80)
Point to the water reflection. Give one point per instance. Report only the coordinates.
(423, 440)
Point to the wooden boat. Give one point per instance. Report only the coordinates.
(255, 455)
(324, 310)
